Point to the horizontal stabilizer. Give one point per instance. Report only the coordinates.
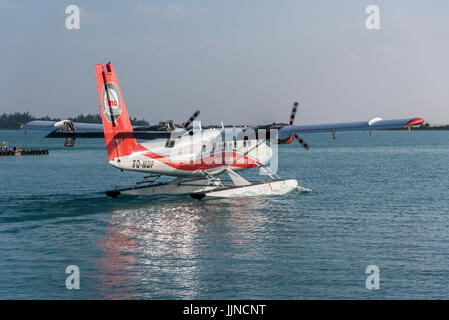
(124, 135)
(89, 131)
(50, 126)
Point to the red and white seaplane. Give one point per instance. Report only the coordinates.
(196, 157)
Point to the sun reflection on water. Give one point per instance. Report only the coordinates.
(159, 250)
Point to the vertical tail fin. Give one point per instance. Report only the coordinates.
(118, 131)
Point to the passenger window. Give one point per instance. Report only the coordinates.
(170, 143)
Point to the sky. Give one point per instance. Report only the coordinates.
(237, 61)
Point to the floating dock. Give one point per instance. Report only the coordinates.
(22, 152)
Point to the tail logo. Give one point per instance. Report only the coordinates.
(112, 102)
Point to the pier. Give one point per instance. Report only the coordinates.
(16, 151)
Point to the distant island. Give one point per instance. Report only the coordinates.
(13, 121)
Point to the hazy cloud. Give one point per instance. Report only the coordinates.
(8, 4)
(174, 10)
(171, 10)
(151, 9)
(236, 61)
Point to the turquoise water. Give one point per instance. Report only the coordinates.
(379, 200)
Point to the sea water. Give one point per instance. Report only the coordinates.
(379, 200)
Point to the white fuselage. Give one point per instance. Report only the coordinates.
(189, 155)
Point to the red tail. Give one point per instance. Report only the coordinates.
(118, 131)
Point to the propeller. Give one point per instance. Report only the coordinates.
(293, 114)
(292, 119)
(302, 142)
(190, 120)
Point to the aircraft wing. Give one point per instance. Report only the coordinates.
(89, 130)
(50, 126)
(374, 124)
(144, 135)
